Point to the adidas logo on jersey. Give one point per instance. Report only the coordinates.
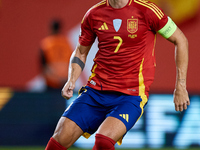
(103, 27)
(125, 116)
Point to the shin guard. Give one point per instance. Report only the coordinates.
(103, 143)
(54, 145)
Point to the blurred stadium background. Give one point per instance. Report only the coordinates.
(28, 113)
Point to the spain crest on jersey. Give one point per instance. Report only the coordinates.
(132, 25)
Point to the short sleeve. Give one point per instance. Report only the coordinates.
(156, 18)
(87, 36)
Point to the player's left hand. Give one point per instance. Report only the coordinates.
(181, 99)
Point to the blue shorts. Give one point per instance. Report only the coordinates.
(91, 108)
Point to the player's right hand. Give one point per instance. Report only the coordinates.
(67, 91)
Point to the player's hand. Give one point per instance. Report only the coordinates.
(181, 99)
(67, 91)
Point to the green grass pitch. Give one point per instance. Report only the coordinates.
(73, 148)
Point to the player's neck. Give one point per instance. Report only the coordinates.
(118, 3)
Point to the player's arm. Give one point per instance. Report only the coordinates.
(77, 63)
(181, 99)
(171, 32)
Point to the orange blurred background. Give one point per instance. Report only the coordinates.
(23, 24)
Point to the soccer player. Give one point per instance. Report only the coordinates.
(117, 90)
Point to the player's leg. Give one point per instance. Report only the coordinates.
(110, 131)
(66, 133)
(121, 118)
(84, 115)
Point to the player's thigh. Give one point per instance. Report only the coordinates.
(86, 112)
(112, 128)
(121, 118)
(128, 111)
(67, 132)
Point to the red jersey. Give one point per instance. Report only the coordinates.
(125, 61)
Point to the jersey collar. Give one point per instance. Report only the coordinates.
(129, 3)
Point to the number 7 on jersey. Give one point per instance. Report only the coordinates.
(119, 44)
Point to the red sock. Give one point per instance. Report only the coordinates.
(54, 145)
(103, 143)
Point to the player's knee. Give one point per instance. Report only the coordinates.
(67, 132)
(103, 143)
(54, 145)
(63, 140)
(62, 137)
